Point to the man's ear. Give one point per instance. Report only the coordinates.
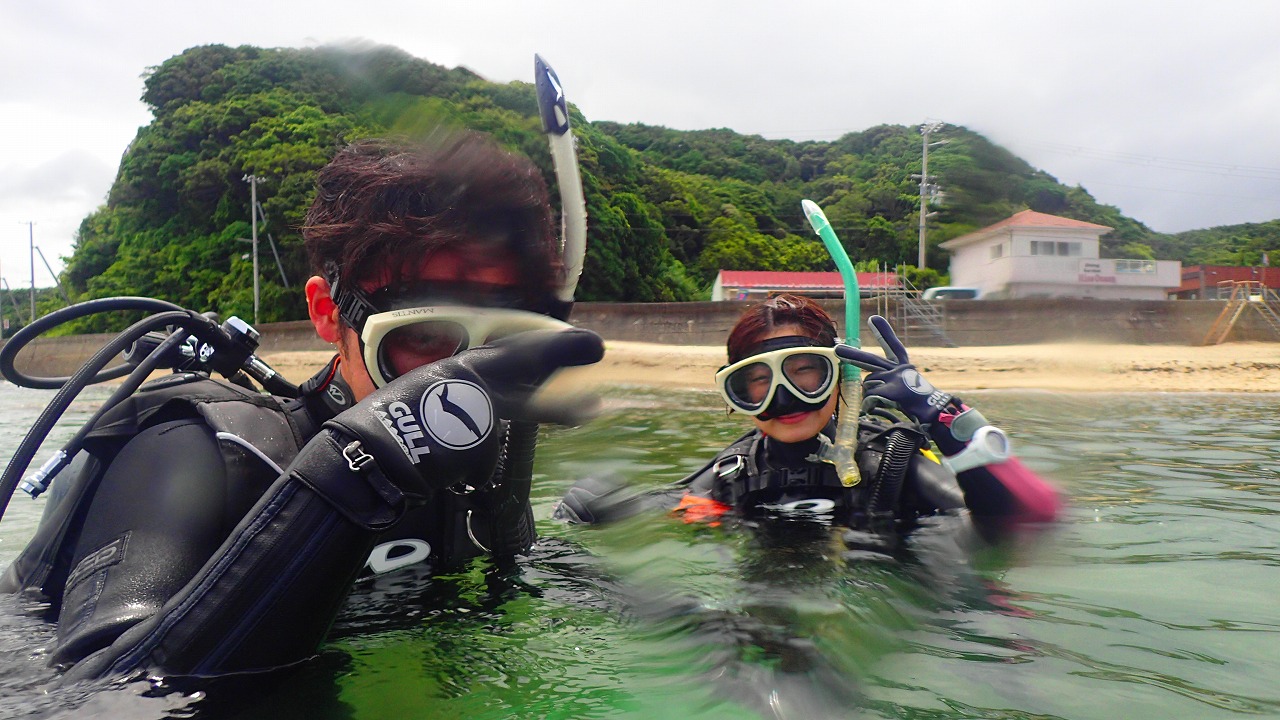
(322, 309)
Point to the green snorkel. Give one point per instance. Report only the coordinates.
(841, 452)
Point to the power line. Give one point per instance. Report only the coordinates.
(1256, 172)
(1231, 196)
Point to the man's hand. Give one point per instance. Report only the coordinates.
(438, 425)
(893, 380)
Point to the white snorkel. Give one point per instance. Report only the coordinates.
(554, 111)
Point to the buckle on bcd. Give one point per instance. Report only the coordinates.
(729, 466)
(356, 457)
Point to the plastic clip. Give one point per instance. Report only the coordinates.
(356, 457)
(729, 466)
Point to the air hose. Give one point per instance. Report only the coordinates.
(227, 349)
(511, 535)
(24, 336)
(901, 446)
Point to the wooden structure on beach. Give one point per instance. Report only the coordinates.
(1242, 294)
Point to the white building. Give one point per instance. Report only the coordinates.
(1032, 254)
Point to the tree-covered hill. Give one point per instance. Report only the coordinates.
(1244, 245)
(667, 209)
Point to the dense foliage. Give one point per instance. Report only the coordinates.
(1242, 245)
(668, 209)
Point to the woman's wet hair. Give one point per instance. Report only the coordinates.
(779, 311)
(382, 203)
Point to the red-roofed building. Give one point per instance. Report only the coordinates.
(1215, 282)
(1033, 254)
(757, 284)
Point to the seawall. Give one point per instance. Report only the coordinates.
(966, 323)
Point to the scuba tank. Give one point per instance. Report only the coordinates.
(172, 337)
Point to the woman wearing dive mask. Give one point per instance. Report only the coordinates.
(784, 373)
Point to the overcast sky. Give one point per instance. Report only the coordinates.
(1167, 110)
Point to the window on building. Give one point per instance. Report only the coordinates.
(1058, 248)
(1144, 267)
(997, 251)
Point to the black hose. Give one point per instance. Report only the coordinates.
(900, 446)
(38, 327)
(125, 389)
(86, 375)
(231, 352)
(512, 531)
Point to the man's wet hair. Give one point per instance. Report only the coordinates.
(780, 311)
(383, 204)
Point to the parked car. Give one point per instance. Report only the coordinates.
(952, 292)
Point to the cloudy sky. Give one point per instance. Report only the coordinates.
(1167, 110)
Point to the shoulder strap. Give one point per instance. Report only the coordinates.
(269, 429)
(730, 460)
(170, 397)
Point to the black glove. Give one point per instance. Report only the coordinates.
(595, 500)
(438, 425)
(893, 380)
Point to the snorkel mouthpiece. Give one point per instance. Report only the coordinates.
(786, 403)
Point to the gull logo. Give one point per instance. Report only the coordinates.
(404, 427)
(555, 83)
(457, 414)
(916, 383)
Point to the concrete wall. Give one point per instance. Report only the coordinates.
(1143, 322)
(62, 356)
(967, 323)
(981, 322)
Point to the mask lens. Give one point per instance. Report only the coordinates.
(810, 373)
(749, 385)
(504, 329)
(421, 343)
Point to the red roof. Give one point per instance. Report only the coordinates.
(803, 280)
(1024, 219)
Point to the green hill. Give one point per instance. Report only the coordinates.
(667, 208)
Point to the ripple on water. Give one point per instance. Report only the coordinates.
(1155, 597)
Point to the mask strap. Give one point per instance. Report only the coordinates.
(353, 305)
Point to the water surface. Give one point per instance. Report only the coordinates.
(1155, 597)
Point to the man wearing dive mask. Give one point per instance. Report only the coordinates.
(436, 271)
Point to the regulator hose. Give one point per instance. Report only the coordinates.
(511, 533)
(227, 349)
(67, 392)
(24, 336)
(901, 446)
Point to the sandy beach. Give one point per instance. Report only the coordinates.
(1230, 367)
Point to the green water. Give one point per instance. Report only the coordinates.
(1155, 597)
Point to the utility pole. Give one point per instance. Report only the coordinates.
(4, 286)
(31, 242)
(56, 281)
(927, 129)
(253, 213)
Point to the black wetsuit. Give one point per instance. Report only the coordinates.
(179, 544)
(758, 476)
